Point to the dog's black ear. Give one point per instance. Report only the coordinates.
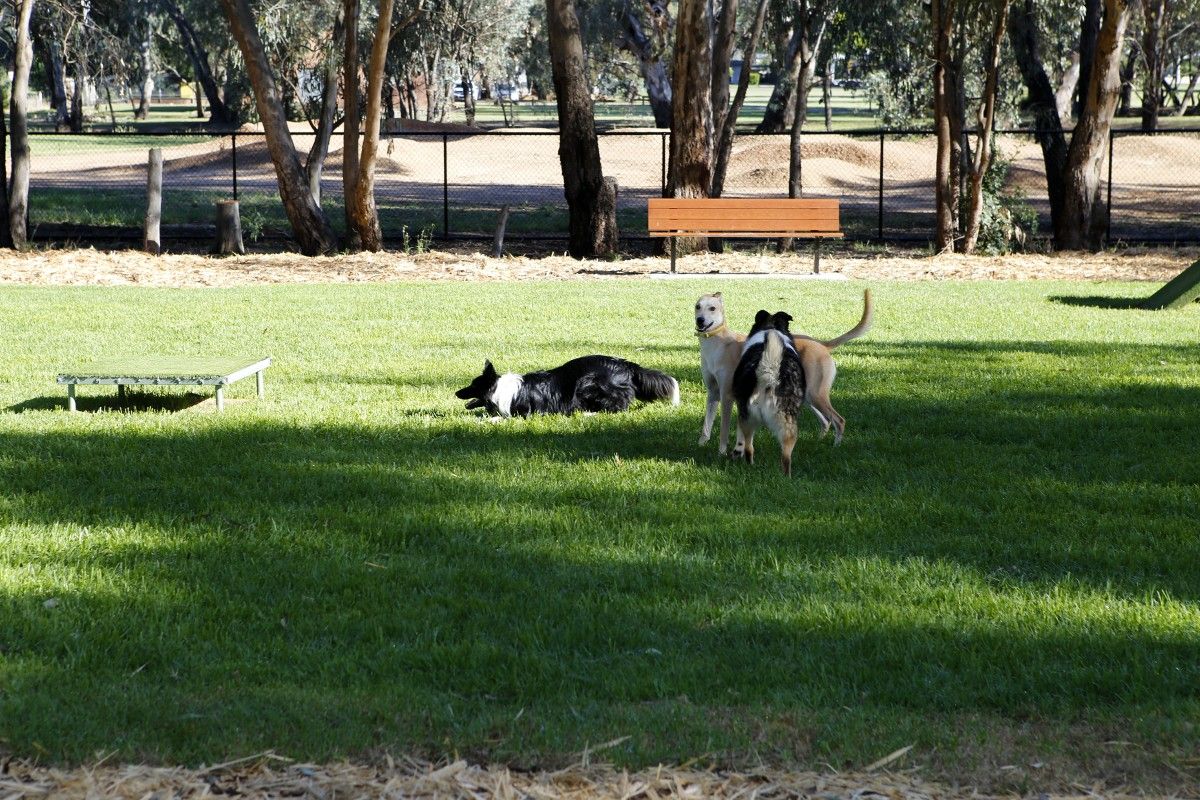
(761, 317)
(488, 369)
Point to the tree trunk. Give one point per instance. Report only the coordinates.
(218, 112)
(5, 232)
(591, 199)
(943, 22)
(789, 98)
(350, 127)
(146, 69)
(690, 169)
(723, 42)
(58, 86)
(985, 121)
(468, 96)
(1064, 96)
(151, 240)
(366, 215)
(1087, 50)
(650, 64)
(315, 163)
(725, 137)
(1125, 106)
(827, 93)
(18, 199)
(1155, 13)
(309, 223)
(1083, 212)
(1048, 130)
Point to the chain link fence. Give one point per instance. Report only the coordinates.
(452, 185)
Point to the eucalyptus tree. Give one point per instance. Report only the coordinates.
(309, 223)
(1073, 166)
(18, 189)
(591, 199)
(807, 22)
(200, 42)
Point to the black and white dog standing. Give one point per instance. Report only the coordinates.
(769, 386)
(590, 383)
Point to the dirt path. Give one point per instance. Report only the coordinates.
(118, 268)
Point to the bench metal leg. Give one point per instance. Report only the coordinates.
(673, 240)
(817, 258)
(71, 397)
(220, 399)
(121, 392)
(258, 379)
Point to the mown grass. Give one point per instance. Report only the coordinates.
(1000, 565)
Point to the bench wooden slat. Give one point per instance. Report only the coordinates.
(743, 202)
(756, 224)
(772, 234)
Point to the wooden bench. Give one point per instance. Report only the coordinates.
(152, 371)
(745, 217)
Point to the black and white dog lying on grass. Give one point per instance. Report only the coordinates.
(590, 383)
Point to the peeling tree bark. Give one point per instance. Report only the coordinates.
(636, 41)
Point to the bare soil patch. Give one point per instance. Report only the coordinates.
(89, 267)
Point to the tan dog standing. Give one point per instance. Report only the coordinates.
(721, 348)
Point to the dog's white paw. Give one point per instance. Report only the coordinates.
(703, 439)
(722, 449)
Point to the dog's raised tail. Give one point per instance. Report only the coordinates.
(858, 330)
(650, 385)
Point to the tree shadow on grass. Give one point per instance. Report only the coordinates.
(523, 588)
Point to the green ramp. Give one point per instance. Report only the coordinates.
(1184, 288)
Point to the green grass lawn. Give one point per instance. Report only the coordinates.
(1000, 565)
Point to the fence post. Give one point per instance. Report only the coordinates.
(445, 186)
(1108, 204)
(151, 240)
(880, 186)
(233, 136)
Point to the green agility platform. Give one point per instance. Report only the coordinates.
(1181, 290)
(161, 371)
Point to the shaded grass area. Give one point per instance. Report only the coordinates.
(1000, 565)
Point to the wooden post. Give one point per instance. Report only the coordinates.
(498, 241)
(1181, 290)
(229, 229)
(71, 397)
(151, 241)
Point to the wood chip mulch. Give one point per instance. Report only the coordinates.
(89, 267)
(268, 775)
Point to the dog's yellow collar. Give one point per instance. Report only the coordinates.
(712, 333)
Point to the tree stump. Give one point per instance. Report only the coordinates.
(229, 229)
(151, 241)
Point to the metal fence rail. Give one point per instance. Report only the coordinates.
(451, 185)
